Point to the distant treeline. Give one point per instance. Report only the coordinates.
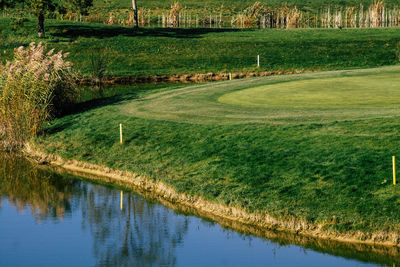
(256, 15)
(231, 7)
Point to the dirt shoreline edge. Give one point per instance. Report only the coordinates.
(383, 242)
(185, 78)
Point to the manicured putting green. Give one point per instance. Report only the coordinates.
(304, 98)
(382, 90)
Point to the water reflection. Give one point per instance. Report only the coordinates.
(119, 237)
(29, 188)
(85, 219)
(142, 233)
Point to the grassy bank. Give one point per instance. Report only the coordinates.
(329, 165)
(154, 51)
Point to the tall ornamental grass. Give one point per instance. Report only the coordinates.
(36, 85)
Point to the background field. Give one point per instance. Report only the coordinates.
(151, 51)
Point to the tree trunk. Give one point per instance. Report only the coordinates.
(41, 25)
(135, 13)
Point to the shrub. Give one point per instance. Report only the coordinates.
(397, 50)
(35, 86)
(17, 23)
(98, 63)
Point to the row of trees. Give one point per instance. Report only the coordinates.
(40, 7)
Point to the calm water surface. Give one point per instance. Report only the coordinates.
(48, 219)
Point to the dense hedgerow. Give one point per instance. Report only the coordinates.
(36, 85)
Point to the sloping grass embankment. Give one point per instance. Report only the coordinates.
(322, 165)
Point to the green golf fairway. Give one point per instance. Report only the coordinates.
(307, 98)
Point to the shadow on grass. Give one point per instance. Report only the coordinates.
(85, 106)
(98, 31)
(55, 128)
(98, 103)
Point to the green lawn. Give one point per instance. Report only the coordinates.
(151, 51)
(320, 163)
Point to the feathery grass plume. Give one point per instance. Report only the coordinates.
(293, 18)
(131, 19)
(361, 19)
(252, 14)
(111, 19)
(376, 13)
(174, 14)
(34, 86)
(144, 16)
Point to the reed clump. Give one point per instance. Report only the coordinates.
(261, 16)
(36, 85)
(174, 13)
(253, 13)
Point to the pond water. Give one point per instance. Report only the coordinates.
(49, 219)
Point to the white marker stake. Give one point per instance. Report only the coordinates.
(258, 61)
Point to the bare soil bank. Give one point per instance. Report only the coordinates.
(288, 230)
(202, 77)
